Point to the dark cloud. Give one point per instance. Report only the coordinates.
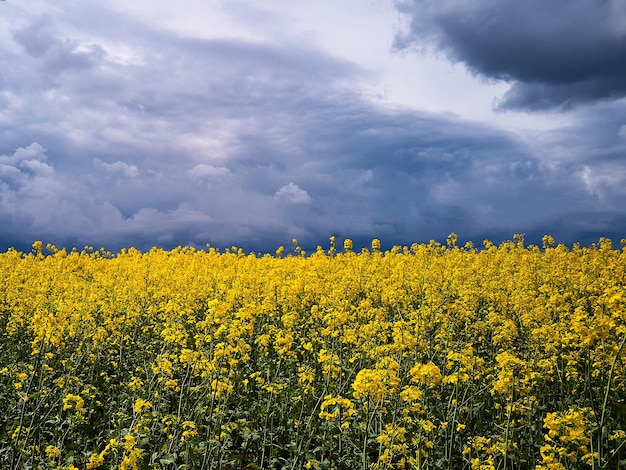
(37, 37)
(170, 140)
(41, 40)
(555, 54)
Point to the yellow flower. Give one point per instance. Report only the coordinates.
(312, 463)
(568, 436)
(130, 442)
(135, 384)
(340, 407)
(189, 430)
(76, 402)
(370, 384)
(427, 374)
(52, 451)
(427, 425)
(96, 460)
(141, 404)
(131, 460)
(411, 394)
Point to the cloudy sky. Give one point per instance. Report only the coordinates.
(251, 123)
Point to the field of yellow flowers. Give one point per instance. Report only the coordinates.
(433, 356)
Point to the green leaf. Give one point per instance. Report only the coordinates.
(168, 459)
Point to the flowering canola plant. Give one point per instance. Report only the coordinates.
(428, 356)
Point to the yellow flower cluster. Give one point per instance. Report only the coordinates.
(568, 439)
(374, 385)
(337, 407)
(423, 356)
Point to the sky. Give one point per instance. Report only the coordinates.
(160, 123)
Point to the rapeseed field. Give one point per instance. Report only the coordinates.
(433, 356)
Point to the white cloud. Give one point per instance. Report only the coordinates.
(292, 193)
(38, 167)
(8, 172)
(202, 170)
(602, 182)
(622, 131)
(30, 160)
(32, 152)
(118, 168)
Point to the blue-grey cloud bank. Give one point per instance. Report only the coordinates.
(556, 54)
(117, 133)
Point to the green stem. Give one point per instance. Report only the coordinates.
(506, 433)
(606, 399)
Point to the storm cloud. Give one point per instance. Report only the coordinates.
(116, 133)
(555, 54)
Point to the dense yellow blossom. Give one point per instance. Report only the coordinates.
(423, 356)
